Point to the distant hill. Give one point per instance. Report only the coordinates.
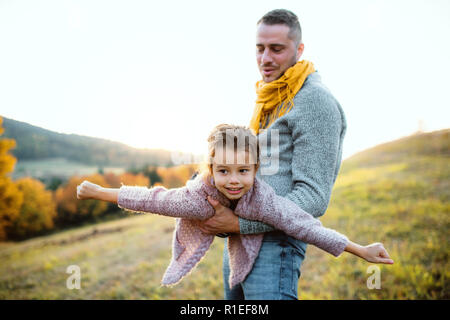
(35, 143)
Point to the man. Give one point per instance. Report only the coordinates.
(294, 104)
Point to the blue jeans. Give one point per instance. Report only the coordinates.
(275, 273)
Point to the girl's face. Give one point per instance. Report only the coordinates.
(234, 175)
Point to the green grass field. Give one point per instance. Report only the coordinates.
(397, 194)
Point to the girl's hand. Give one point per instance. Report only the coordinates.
(376, 253)
(88, 190)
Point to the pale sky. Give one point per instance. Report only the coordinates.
(162, 74)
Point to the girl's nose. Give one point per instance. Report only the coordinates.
(234, 179)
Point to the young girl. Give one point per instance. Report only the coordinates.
(230, 179)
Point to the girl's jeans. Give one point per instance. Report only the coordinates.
(275, 273)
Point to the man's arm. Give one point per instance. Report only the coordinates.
(224, 221)
(251, 227)
(317, 133)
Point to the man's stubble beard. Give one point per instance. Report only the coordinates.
(293, 62)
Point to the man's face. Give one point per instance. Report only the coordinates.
(275, 51)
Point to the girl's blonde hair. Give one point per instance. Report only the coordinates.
(226, 136)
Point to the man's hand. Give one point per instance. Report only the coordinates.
(222, 222)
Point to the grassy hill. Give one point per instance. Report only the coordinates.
(396, 193)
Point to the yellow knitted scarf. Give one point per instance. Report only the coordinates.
(270, 95)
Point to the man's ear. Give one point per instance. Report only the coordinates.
(300, 49)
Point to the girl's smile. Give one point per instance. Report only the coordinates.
(234, 191)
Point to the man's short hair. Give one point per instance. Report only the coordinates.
(286, 17)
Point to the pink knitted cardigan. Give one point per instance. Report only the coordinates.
(260, 203)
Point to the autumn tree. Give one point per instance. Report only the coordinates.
(175, 177)
(72, 210)
(129, 179)
(149, 171)
(152, 173)
(10, 197)
(112, 179)
(37, 211)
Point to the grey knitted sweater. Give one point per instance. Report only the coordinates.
(310, 151)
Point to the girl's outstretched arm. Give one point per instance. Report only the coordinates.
(185, 202)
(266, 206)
